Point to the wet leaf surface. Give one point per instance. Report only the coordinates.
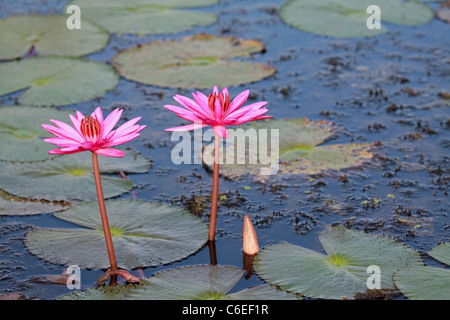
(141, 17)
(151, 234)
(47, 33)
(56, 80)
(199, 61)
(342, 272)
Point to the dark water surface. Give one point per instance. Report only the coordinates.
(384, 89)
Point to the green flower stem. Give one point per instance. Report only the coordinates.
(215, 191)
(101, 203)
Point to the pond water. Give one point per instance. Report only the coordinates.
(386, 89)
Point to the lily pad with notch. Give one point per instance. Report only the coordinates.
(144, 234)
(147, 16)
(342, 271)
(426, 282)
(199, 282)
(300, 150)
(199, 61)
(348, 18)
(49, 35)
(56, 80)
(70, 178)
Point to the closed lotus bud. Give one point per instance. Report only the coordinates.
(249, 238)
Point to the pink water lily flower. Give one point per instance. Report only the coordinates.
(92, 133)
(217, 111)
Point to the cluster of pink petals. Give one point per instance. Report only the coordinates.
(92, 133)
(217, 111)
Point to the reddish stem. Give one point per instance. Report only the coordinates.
(215, 191)
(101, 204)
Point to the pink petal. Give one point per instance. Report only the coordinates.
(218, 112)
(110, 121)
(79, 115)
(98, 114)
(252, 107)
(215, 90)
(198, 110)
(61, 133)
(70, 150)
(121, 140)
(109, 152)
(62, 142)
(183, 113)
(221, 131)
(188, 127)
(129, 126)
(64, 126)
(76, 124)
(238, 101)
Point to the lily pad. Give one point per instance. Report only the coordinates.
(342, 272)
(202, 282)
(299, 149)
(146, 17)
(348, 18)
(424, 283)
(144, 234)
(70, 178)
(199, 61)
(13, 206)
(56, 80)
(441, 253)
(21, 133)
(49, 35)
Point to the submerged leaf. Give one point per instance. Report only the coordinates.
(143, 233)
(70, 178)
(199, 61)
(56, 80)
(146, 16)
(348, 18)
(342, 272)
(49, 35)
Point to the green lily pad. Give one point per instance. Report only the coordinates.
(342, 272)
(299, 149)
(146, 16)
(199, 61)
(14, 206)
(56, 80)
(347, 18)
(21, 133)
(49, 35)
(202, 282)
(70, 178)
(441, 253)
(144, 234)
(424, 283)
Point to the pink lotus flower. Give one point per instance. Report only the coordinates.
(92, 133)
(217, 111)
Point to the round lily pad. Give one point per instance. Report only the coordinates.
(423, 283)
(70, 178)
(56, 80)
(144, 234)
(201, 282)
(348, 18)
(199, 61)
(342, 272)
(14, 206)
(298, 143)
(146, 16)
(49, 35)
(21, 133)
